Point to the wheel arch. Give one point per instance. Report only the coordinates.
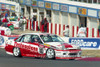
(54, 52)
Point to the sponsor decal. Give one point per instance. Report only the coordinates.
(32, 49)
(1, 40)
(47, 45)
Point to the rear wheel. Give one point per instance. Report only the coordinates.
(50, 54)
(16, 52)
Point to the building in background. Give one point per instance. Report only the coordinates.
(88, 1)
(81, 13)
(9, 8)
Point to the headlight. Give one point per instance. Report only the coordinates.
(63, 47)
(80, 52)
(59, 48)
(78, 47)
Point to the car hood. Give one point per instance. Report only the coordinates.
(57, 44)
(61, 44)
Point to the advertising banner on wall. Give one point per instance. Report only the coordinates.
(72, 9)
(55, 6)
(82, 11)
(64, 8)
(40, 4)
(8, 7)
(21, 1)
(3, 6)
(92, 13)
(13, 8)
(0, 6)
(99, 14)
(28, 2)
(47, 5)
(34, 2)
(85, 42)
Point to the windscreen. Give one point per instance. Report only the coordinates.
(51, 38)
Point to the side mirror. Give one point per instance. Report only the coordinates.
(40, 41)
(15, 39)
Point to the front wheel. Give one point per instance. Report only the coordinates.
(50, 54)
(16, 52)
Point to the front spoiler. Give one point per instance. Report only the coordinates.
(68, 58)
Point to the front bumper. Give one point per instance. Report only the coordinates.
(67, 54)
(68, 57)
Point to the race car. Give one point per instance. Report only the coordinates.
(15, 22)
(42, 45)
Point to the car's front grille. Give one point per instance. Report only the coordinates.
(72, 53)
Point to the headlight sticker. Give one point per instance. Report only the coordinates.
(47, 45)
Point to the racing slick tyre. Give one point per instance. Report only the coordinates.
(16, 52)
(50, 54)
(71, 59)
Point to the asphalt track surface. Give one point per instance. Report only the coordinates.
(10, 61)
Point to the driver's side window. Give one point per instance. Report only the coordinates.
(19, 39)
(26, 38)
(35, 38)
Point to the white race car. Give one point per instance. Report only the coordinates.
(42, 45)
(15, 22)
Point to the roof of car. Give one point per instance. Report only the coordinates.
(37, 33)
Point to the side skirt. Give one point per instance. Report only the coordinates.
(9, 53)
